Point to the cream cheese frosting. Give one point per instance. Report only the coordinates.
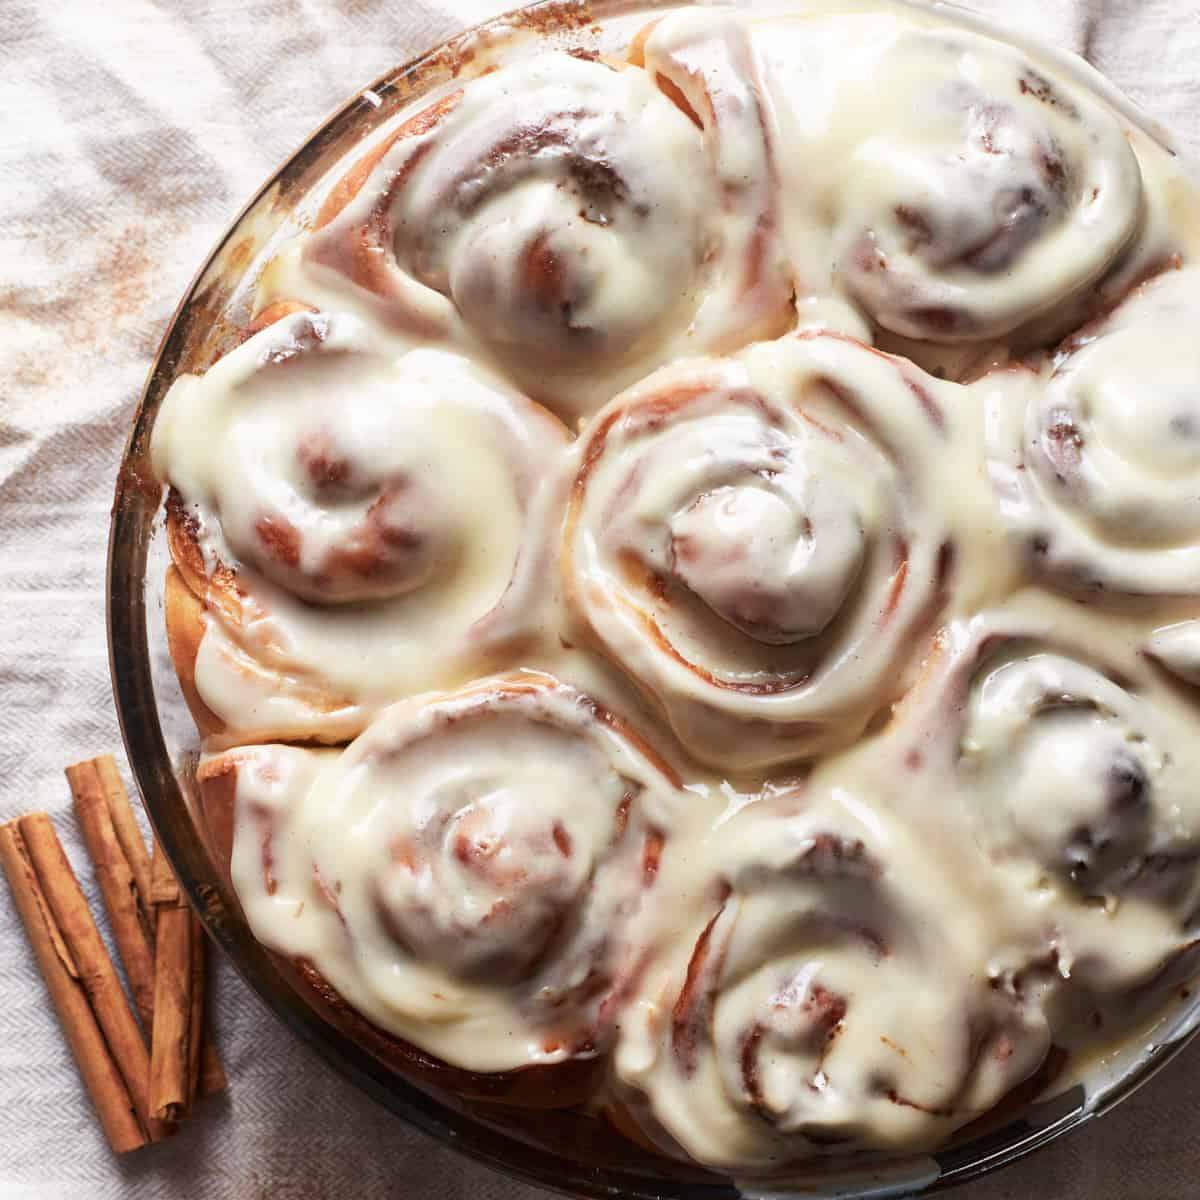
(491, 916)
(979, 195)
(751, 539)
(1099, 476)
(730, 513)
(343, 486)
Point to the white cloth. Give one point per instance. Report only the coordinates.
(132, 131)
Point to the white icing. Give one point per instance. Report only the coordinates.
(800, 1017)
(568, 212)
(1177, 647)
(881, 955)
(425, 437)
(468, 873)
(1072, 767)
(1099, 470)
(938, 179)
(754, 541)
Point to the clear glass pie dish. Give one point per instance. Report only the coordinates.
(567, 1151)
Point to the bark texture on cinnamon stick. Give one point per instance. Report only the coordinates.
(125, 872)
(117, 884)
(67, 979)
(171, 1055)
(128, 834)
(212, 1074)
(196, 1011)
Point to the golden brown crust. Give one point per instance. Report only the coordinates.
(351, 183)
(183, 544)
(219, 589)
(636, 54)
(275, 311)
(637, 58)
(184, 613)
(216, 784)
(189, 594)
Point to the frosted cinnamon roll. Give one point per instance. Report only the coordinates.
(1097, 459)
(832, 999)
(323, 521)
(564, 211)
(751, 540)
(964, 192)
(706, 63)
(468, 875)
(1074, 767)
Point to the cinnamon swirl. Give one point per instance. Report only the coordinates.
(797, 1017)
(571, 218)
(1041, 780)
(752, 539)
(325, 522)
(1097, 457)
(977, 196)
(468, 874)
(1071, 762)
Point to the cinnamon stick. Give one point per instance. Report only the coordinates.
(207, 1074)
(196, 1012)
(170, 1047)
(132, 870)
(105, 1085)
(94, 968)
(117, 883)
(212, 1074)
(133, 845)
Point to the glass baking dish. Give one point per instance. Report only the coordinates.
(566, 1151)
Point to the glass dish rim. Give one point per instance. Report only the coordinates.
(136, 503)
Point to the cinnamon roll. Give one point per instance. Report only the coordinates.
(1097, 459)
(706, 63)
(468, 875)
(828, 1001)
(963, 192)
(323, 523)
(1073, 766)
(752, 541)
(565, 213)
